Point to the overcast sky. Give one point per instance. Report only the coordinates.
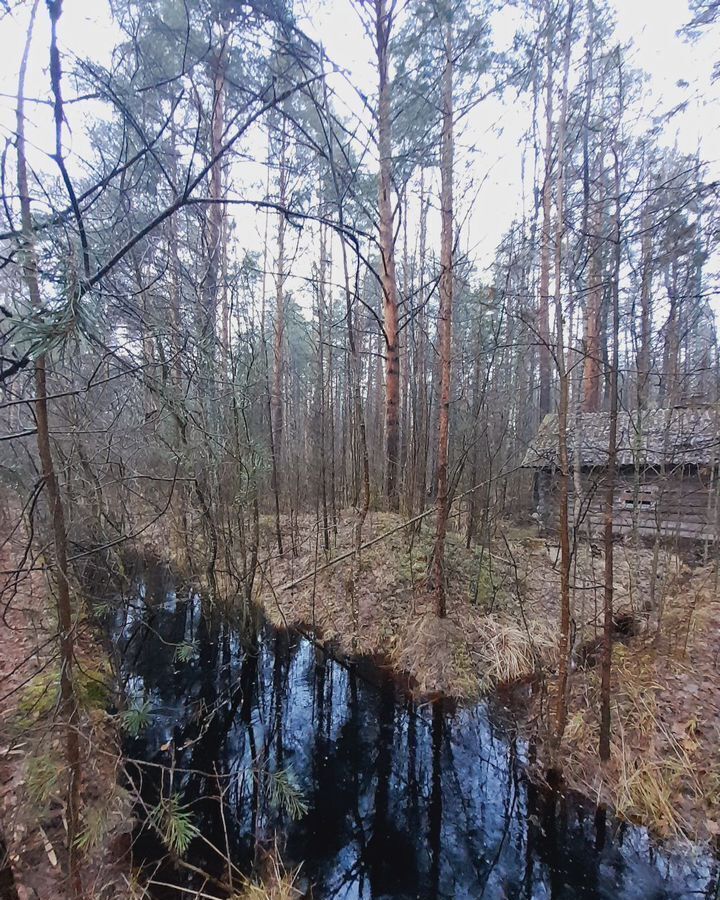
(497, 127)
(489, 182)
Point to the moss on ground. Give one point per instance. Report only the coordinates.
(41, 695)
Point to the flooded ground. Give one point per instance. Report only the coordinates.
(375, 795)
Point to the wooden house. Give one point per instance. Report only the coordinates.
(667, 472)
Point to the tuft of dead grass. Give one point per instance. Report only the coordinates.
(280, 890)
(434, 652)
(274, 883)
(506, 651)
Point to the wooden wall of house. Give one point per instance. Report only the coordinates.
(679, 504)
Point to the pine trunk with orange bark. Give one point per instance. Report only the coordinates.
(565, 559)
(216, 216)
(278, 417)
(643, 353)
(383, 27)
(444, 323)
(543, 325)
(611, 474)
(592, 366)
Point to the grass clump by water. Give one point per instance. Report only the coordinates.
(273, 881)
(508, 651)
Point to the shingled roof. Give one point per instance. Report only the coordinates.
(677, 436)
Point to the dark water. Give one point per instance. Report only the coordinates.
(403, 801)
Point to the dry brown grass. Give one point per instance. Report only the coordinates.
(641, 779)
(435, 653)
(507, 651)
(663, 770)
(274, 883)
(387, 611)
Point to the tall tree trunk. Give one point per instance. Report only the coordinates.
(68, 700)
(279, 334)
(358, 410)
(643, 353)
(444, 321)
(274, 476)
(669, 384)
(592, 375)
(474, 468)
(606, 662)
(333, 402)
(543, 327)
(322, 388)
(564, 642)
(383, 27)
(215, 212)
(420, 449)
(355, 368)
(590, 238)
(175, 280)
(219, 230)
(405, 362)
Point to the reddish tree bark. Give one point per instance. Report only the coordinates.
(383, 27)
(544, 303)
(606, 661)
(643, 353)
(564, 642)
(592, 374)
(216, 214)
(444, 322)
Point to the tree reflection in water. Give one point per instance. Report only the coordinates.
(403, 800)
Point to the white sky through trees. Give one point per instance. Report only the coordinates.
(489, 144)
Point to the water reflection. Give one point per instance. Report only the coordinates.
(403, 801)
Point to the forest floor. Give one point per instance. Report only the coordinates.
(32, 771)
(385, 609)
(502, 626)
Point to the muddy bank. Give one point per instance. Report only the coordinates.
(383, 608)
